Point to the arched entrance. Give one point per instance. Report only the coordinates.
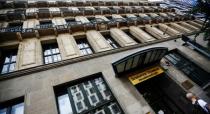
(144, 72)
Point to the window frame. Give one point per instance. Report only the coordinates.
(59, 92)
(10, 54)
(50, 47)
(81, 45)
(8, 105)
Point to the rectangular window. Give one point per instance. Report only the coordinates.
(89, 96)
(13, 107)
(9, 61)
(51, 53)
(111, 41)
(189, 68)
(84, 46)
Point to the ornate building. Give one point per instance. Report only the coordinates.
(97, 57)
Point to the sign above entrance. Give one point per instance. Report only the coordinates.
(138, 60)
(145, 75)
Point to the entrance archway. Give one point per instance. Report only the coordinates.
(144, 72)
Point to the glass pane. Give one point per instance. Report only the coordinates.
(85, 45)
(120, 67)
(47, 52)
(5, 69)
(83, 52)
(49, 59)
(7, 60)
(55, 59)
(59, 57)
(46, 60)
(53, 51)
(18, 109)
(12, 67)
(57, 50)
(128, 64)
(64, 104)
(14, 58)
(3, 111)
(89, 51)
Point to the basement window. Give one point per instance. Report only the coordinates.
(51, 53)
(86, 96)
(9, 61)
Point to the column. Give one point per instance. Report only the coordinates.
(195, 24)
(180, 28)
(169, 30)
(189, 26)
(122, 38)
(30, 52)
(156, 32)
(140, 34)
(67, 46)
(97, 41)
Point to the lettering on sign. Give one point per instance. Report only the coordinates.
(140, 77)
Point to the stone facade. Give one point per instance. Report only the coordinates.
(37, 86)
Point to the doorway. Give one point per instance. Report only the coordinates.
(162, 93)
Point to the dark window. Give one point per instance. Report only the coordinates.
(15, 24)
(9, 61)
(12, 107)
(84, 46)
(45, 22)
(111, 41)
(193, 71)
(89, 96)
(51, 53)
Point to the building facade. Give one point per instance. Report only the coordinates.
(70, 57)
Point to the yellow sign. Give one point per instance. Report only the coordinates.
(140, 77)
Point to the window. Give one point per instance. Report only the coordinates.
(9, 61)
(111, 41)
(12, 107)
(51, 53)
(190, 69)
(84, 46)
(89, 96)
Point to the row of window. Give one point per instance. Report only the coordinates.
(51, 53)
(92, 19)
(25, 4)
(90, 96)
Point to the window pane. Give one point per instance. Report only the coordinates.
(47, 52)
(64, 104)
(3, 111)
(12, 67)
(53, 51)
(57, 50)
(83, 52)
(7, 60)
(49, 59)
(5, 69)
(55, 59)
(89, 51)
(18, 109)
(59, 57)
(14, 58)
(46, 60)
